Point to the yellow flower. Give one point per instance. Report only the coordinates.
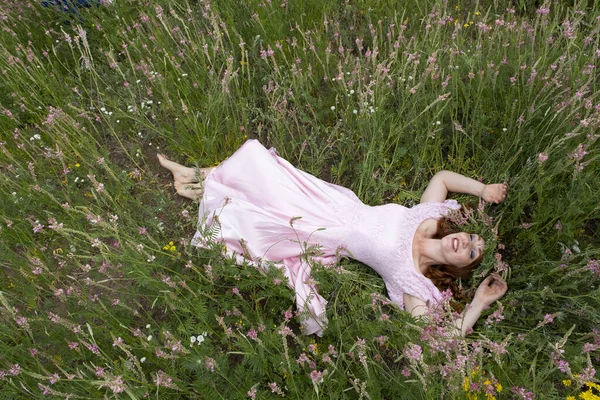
(11, 285)
(466, 384)
(593, 385)
(567, 382)
(487, 382)
(498, 387)
(477, 13)
(490, 397)
(466, 25)
(77, 165)
(570, 397)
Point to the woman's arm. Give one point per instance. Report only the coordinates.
(490, 290)
(448, 181)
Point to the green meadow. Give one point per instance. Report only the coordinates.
(102, 294)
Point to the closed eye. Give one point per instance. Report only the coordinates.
(472, 254)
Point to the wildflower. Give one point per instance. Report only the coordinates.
(73, 345)
(285, 331)
(170, 247)
(252, 334)
(316, 376)
(115, 384)
(302, 359)
(252, 392)
(542, 157)
(210, 364)
(14, 370)
(413, 351)
(162, 379)
(566, 382)
(525, 395)
(54, 378)
(275, 388)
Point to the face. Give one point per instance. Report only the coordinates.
(461, 249)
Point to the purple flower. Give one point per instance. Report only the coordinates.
(412, 351)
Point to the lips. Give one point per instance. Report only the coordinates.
(455, 244)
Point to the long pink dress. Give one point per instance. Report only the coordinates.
(251, 198)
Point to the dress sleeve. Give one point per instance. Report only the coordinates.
(416, 285)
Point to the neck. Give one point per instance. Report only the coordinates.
(429, 252)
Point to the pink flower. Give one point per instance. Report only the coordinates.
(210, 364)
(543, 157)
(285, 331)
(53, 378)
(412, 351)
(316, 376)
(302, 359)
(252, 334)
(288, 315)
(162, 379)
(73, 345)
(15, 369)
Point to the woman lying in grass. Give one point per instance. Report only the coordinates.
(267, 210)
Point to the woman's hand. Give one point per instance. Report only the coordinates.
(495, 193)
(491, 289)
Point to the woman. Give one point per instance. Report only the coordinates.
(266, 211)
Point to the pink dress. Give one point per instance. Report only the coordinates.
(251, 198)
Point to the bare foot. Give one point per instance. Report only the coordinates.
(180, 173)
(188, 190)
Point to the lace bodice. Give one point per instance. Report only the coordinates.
(382, 238)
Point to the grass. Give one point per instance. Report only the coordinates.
(101, 289)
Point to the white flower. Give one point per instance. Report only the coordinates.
(332, 108)
(149, 338)
(148, 326)
(142, 359)
(437, 122)
(355, 111)
(200, 339)
(351, 91)
(193, 339)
